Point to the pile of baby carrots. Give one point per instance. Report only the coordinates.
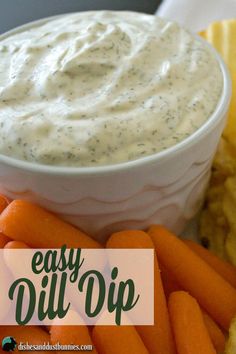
(195, 292)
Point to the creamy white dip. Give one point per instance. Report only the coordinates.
(98, 88)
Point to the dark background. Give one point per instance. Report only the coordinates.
(16, 12)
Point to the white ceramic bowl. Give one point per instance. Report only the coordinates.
(166, 188)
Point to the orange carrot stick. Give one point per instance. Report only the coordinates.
(118, 340)
(215, 333)
(24, 334)
(213, 292)
(157, 338)
(3, 202)
(78, 335)
(3, 240)
(29, 223)
(190, 332)
(225, 269)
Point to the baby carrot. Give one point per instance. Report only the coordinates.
(3, 202)
(78, 335)
(157, 338)
(38, 228)
(24, 334)
(225, 269)
(190, 332)
(215, 333)
(3, 240)
(117, 340)
(213, 292)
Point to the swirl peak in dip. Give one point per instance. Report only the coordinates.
(100, 88)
